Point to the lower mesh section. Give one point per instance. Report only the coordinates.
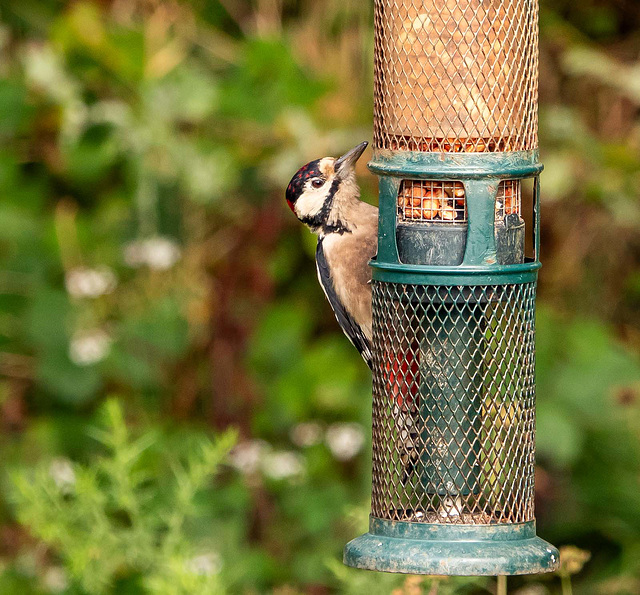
(453, 403)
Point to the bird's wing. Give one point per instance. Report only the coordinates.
(349, 326)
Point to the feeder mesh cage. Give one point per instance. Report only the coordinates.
(456, 75)
(453, 403)
(453, 366)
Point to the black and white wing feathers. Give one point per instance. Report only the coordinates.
(349, 326)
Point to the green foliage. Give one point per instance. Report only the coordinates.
(146, 250)
(267, 78)
(125, 514)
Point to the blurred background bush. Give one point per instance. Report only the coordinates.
(158, 302)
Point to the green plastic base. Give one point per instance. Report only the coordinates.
(458, 550)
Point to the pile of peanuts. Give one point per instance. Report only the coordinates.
(435, 201)
(417, 201)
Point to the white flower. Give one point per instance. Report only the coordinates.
(345, 440)
(89, 347)
(45, 71)
(90, 283)
(283, 465)
(157, 253)
(204, 564)
(256, 455)
(55, 579)
(63, 475)
(247, 456)
(306, 434)
(162, 253)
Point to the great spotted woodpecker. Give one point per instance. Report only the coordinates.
(325, 196)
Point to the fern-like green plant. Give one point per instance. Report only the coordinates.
(124, 515)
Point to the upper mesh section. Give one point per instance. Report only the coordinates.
(456, 75)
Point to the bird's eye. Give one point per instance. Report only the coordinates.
(317, 183)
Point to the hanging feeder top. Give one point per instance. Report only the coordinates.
(456, 75)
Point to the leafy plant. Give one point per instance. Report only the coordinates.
(125, 514)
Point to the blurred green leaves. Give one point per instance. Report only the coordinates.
(67, 382)
(150, 143)
(267, 79)
(47, 319)
(589, 425)
(14, 109)
(92, 158)
(304, 377)
(112, 521)
(83, 33)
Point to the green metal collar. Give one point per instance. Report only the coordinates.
(481, 175)
(442, 531)
(443, 166)
(460, 275)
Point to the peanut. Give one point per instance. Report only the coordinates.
(431, 207)
(448, 211)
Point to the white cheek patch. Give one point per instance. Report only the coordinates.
(311, 201)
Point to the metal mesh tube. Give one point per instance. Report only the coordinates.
(453, 403)
(451, 381)
(456, 75)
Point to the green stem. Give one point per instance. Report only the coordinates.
(565, 581)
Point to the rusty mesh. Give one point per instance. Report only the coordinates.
(453, 403)
(456, 75)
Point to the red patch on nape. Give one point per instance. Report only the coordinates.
(291, 207)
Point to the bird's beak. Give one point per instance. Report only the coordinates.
(344, 164)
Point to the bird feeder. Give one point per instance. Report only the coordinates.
(454, 284)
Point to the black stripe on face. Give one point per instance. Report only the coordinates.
(319, 220)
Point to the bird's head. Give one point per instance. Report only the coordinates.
(320, 192)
